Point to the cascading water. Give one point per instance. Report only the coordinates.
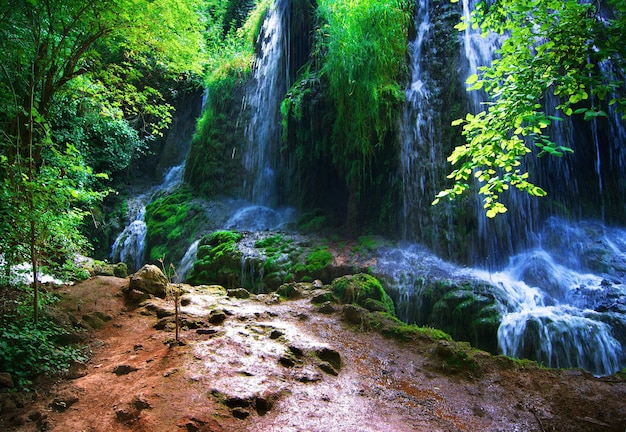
(561, 298)
(129, 246)
(263, 132)
(417, 134)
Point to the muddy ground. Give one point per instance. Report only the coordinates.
(266, 364)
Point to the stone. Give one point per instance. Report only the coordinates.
(329, 355)
(240, 413)
(64, 400)
(241, 293)
(6, 380)
(124, 369)
(151, 280)
(77, 370)
(327, 367)
(217, 317)
(327, 308)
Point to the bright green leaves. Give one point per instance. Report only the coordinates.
(550, 47)
(362, 51)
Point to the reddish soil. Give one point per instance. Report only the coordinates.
(270, 365)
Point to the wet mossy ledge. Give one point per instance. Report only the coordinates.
(262, 261)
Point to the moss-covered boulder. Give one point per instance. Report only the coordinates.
(364, 290)
(173, 222)
(219, 260)
(150, 280)
(469, 310)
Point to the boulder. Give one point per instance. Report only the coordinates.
(151, 280)
(6, 380)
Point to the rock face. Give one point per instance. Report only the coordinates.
(149, 280)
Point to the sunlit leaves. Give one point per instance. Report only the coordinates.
(548, 47)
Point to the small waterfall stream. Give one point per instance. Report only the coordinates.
(263, 131)
(129, 246)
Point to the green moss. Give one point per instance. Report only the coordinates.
(219, 260)
(318, 260)
(361, 289)
(173, 222)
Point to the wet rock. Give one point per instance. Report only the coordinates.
(237, 402)
(275, 334)
(364, 290)
(322, 298)
(298, 352)
(329, 355)
(307, 376)
(287, 361)
(327, 308)
(151, 280)
(124, 369)
(6, 380)
(290, 291)
(165, 324)
(353, 314)
(264, 402)
(327, 367)
(241, 293)
(158, 308)
(217, 317)
(76, 370)
(240, 413)
(63, 400)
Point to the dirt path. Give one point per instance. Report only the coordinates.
(270, 365)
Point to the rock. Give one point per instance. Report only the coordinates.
(240, 413)
(327, 308)
(353, 314)
(287, 361)
(135, 296)
(124, 369)
(217, 317)
(241, 293)
(329, 355)
(206, 331)
(157, 307)
(275, 334)
(364, 290)
(77, 370)
(120, 270)
(130, 411)
(6, 380)
(64, 400)
(96, 320)
(151, 280)
(290, 291)
(322, 298)
(327, 367)
(264, 402)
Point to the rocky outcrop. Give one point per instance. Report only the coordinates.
(150, 281)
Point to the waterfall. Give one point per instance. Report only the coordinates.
(263, 131)
(417, 135)
(560, 296)
(129, 246)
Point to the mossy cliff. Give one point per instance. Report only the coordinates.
(261, 262)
